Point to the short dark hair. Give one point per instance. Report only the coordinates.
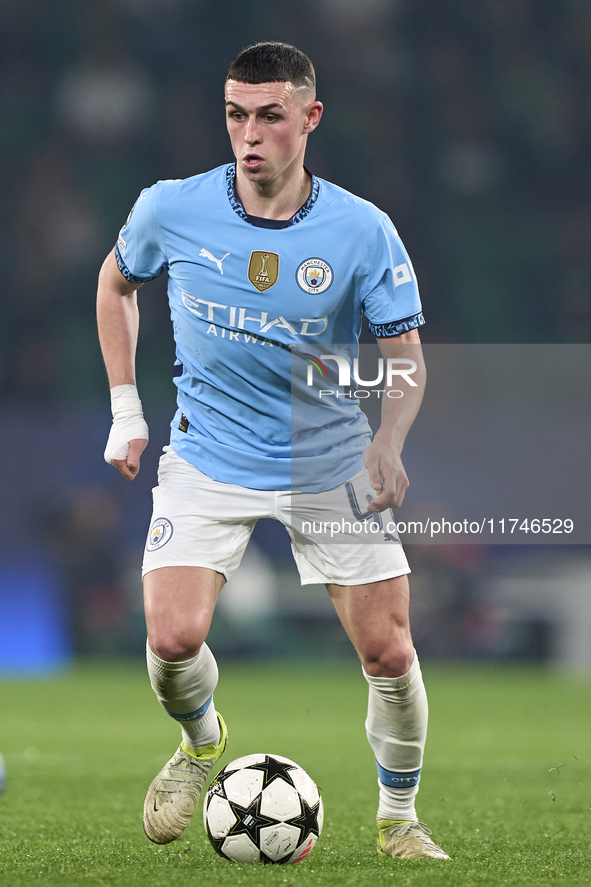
(273, 62)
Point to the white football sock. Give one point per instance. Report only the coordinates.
(396, 728)
(185, 690)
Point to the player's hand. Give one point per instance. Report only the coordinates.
(386, 475)
(130, 466)
(129, 433)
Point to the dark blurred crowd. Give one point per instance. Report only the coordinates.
(468, 122)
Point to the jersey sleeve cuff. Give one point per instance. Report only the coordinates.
(127, 273)
(395, 327)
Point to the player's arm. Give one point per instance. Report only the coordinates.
(383, 457)
(118, 324)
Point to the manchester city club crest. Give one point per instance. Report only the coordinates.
(160, 533)
(314, 276)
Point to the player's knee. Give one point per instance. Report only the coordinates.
(176, 647)
(389, 661)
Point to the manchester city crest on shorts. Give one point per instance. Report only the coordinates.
(160, 533)
(314, 276)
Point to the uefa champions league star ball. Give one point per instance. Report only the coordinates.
(263, 808)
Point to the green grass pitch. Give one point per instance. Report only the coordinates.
(506, 783)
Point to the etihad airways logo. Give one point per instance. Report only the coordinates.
(233, 316)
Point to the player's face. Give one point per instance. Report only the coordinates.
(268, 124)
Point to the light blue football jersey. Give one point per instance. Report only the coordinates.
(242, 292)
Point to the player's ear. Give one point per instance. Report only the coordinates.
(313, 115)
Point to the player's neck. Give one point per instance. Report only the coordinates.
(274, 200)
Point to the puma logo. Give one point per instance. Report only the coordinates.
(207, 255)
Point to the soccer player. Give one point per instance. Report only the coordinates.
(262, 256)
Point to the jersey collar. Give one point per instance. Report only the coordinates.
(236, 203)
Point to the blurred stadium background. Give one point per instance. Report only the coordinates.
(469, 123)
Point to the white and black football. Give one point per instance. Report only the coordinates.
(263, 808)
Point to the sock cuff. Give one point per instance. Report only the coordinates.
(392, 684)
(192, 715)
(398, 778)
(163, 668)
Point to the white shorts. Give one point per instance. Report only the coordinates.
(200, 522)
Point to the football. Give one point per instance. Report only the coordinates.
(263, 808)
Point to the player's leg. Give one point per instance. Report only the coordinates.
(364, 568)
(197, 537)
(198, 534)
(375, 617)
(179, 604)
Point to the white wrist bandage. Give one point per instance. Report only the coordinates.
(128, 422)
